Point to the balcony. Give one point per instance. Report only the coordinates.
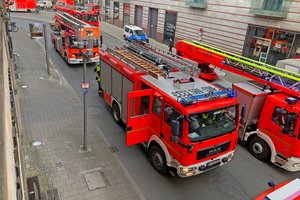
(196, 3)
(270, 8)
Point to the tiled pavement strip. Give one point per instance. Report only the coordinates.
(51, 112)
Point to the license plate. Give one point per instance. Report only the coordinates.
(212, 163)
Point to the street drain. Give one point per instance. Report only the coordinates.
(59, 164)
(33, 188)
(113, 149)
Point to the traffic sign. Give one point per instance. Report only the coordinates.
(85, 85)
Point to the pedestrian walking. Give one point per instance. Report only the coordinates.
(170, 45)
(98, 79)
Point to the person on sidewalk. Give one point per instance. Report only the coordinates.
(98, 79)
(170, 45)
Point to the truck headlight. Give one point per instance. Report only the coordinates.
(73, 55)
(296, 165)
(185, 171)
(230, 156)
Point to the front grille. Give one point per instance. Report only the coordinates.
(204, 153)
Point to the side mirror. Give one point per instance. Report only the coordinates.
(175, 127)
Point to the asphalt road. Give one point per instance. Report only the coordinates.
(244, 178)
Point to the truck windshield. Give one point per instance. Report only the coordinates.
(207, 125)
(74, 42)
(90, 18)
(139, 32)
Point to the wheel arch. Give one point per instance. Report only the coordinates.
(154, 140)
(265, 138)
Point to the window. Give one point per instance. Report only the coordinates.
(270, 45)
(171, 114)
(275, 5)
(286, 120)
(140, 106)
(157, 106)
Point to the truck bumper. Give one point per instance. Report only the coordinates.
(191, 170)
(292, 164)
(80, 60)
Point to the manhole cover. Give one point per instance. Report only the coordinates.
(36, 143)
(93, 110)
(94, 180)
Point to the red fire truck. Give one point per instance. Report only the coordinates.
(89, 17)
(21, 5)
(270, 106)
(188, 126)
(65, 41)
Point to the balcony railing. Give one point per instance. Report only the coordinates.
(270, 8)
(196, 3)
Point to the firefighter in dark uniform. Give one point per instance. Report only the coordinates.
(98, 79)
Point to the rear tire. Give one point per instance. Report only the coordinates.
(116, 113)
(158, 159)
(259, 148)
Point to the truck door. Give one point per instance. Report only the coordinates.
(283, 140)
(138, 117)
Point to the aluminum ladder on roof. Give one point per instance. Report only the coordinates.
(283, 77)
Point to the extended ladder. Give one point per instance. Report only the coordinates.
(135, 62)
(161, 57)
(70, 21)
(280, 78)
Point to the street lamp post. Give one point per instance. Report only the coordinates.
(85, 41)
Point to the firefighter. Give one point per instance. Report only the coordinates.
(98, 79)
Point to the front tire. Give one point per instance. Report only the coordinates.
(158, 159)
(259, 148)
(116, 113)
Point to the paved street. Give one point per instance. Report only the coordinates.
(52, 113)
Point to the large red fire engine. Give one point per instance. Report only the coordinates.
(270, 122)
(65, 41)
(21, 5)
(185, 123)
(89, 17)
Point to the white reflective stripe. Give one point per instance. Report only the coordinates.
(289, 191)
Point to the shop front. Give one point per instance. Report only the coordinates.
(270, 44)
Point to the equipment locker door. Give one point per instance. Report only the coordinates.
(138, 117)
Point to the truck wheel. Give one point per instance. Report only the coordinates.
(158, 159)
(259, 148)
(116, 113)
(124, 37)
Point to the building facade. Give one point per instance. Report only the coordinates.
(265, 30)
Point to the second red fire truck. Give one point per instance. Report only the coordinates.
(270, 104)
(64, 38)
(187, 125)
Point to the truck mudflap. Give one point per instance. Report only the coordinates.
(199, 168)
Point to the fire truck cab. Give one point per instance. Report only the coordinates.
(185, 123)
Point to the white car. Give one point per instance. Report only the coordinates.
(44, 4)
(132, 33)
